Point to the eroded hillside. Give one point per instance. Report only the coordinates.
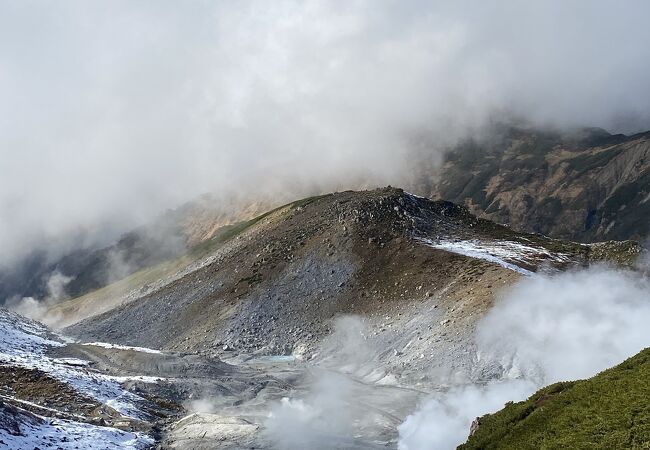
(587, 186)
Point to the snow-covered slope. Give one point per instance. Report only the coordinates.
(20, 429)
(24, 344)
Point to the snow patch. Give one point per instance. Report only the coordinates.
(415, 195)
(123, 347)
(507, 254)
(14, 400)
(65, 434)
(24, 342)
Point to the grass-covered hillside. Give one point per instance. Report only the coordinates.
(609, 411)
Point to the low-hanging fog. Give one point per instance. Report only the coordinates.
(113, 111)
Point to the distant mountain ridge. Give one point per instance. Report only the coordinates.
(585, 186)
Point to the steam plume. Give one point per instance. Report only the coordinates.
(546, 329)
(322, 417)
(37, 309)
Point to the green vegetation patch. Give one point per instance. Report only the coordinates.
(624, 253)
(609, 411)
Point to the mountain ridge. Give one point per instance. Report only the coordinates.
(588, 188)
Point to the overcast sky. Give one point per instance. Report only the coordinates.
(111, 111)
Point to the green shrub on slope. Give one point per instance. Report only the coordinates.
(609, 411)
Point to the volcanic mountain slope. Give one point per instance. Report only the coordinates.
(585, 186)
(419, 272)
(608, 411)
(277, 283)
(60, 394)
(49, 401)
(376, 293)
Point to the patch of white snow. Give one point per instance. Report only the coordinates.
(123, 347)
(507, 254)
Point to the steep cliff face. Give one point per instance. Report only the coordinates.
(587, 186)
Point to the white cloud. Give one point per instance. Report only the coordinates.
(114, 110)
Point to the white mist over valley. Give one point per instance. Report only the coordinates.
(324, 225)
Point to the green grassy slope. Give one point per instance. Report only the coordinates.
(609, 411)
